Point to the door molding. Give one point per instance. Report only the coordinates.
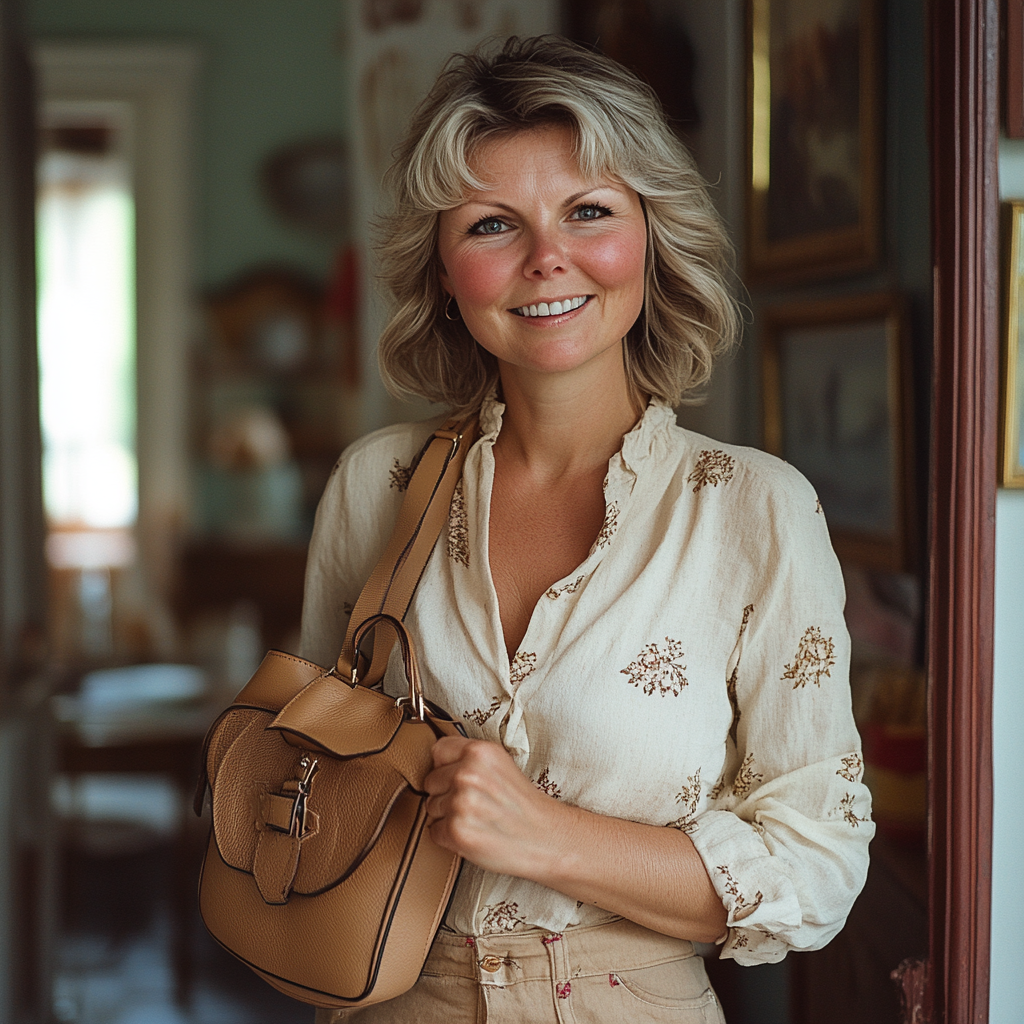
(964, 44)
(157, 82)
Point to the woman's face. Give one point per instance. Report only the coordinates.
(547, 266)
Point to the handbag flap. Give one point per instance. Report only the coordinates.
(347, 804)
(278, 679)
(341, 719)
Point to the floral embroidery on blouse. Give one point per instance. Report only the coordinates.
(746, 777)
(713, 467)
(458, 528)
(718, 788)
(400, 476)
(853, 767)
(849, 815)
(689, 797)
(480, 715)
(656, 670)
(502, 917)
(814, 657)
(522, 665)
(817, 507)
(545, 785)
(608, 527)
(569, 588)
(743, 907)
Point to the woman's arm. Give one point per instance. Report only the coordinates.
(484, 808)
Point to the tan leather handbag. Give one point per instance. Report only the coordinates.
(319, 873)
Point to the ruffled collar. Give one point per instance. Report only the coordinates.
(637, 445)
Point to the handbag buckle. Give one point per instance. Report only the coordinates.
(298, 790)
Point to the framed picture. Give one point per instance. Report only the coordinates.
(813, 139)
(837, 406)
(1011, 413)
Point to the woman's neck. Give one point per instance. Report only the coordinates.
(554, 426)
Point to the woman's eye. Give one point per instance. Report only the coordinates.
(591, 211)
(488, 226)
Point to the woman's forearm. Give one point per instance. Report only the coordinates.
(651, 875)
(482, 807)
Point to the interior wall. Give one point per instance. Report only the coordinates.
(251, 100)
(1006, 979)
(716, 30)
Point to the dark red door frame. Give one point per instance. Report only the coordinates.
(964, 47)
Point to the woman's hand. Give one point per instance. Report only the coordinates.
(483, 808)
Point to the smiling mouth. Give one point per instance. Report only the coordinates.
(552, 308)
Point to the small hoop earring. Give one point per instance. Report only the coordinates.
(448, 308)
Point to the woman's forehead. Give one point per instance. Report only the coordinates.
(550, 149)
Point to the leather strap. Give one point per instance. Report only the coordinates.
(391, 585)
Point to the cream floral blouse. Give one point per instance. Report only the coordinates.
(692, 673)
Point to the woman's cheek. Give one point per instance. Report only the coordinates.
(619, 261)
(479, 280)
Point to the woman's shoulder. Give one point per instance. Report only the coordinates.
(388, 452)
(741, 475)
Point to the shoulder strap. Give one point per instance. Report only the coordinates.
(424, 511)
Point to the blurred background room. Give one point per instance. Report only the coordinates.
(188, 322)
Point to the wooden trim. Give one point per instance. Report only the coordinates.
(1013, 69)
(964, 105)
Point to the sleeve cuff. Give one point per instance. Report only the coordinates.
(761, 902)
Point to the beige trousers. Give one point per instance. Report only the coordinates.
(613, 973)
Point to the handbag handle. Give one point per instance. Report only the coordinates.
(412, 669)
(391, 585)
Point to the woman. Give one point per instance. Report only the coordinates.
(640, 629)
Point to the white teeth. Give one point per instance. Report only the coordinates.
(552, 308)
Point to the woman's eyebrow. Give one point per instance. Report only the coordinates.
(577, 196)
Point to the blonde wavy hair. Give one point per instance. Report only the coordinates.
(689, 314)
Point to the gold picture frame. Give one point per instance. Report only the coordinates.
(838, 407)
(814, 129)
(1011, 392)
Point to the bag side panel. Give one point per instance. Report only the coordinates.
(424, 901)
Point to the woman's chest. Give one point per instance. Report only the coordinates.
(537, 536)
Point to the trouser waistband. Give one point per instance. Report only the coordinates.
(505, 958)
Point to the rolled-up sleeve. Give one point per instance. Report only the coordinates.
(785, 833)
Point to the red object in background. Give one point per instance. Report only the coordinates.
(341, 307)
(895, 749)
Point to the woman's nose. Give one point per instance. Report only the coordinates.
(546, 257)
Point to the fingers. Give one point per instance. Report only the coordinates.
(449, 749)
